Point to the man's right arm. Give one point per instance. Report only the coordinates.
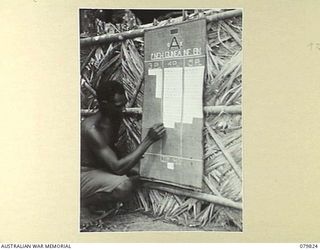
(102, 149)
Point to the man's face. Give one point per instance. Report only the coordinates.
(119, 103)
(116, 107)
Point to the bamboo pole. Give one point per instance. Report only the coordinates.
(128, 111)
(236, 109)
(224, 15)
(135, 111)
(108, 38)
(197, 195)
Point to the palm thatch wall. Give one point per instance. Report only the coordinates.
(222, 134)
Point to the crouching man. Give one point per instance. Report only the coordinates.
(103, 174)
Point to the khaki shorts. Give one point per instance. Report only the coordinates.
(96, 180)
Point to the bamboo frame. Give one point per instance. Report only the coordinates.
(108, 38)
(235, 109)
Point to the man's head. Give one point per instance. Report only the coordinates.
(111, 98)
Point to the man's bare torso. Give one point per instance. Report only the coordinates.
(108, 132)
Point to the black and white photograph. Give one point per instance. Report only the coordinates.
(161, 120)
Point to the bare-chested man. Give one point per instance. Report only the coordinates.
(103, 174)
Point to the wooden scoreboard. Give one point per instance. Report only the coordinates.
(174, 76)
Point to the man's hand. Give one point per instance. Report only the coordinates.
(156, 132)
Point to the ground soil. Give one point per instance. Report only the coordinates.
(128, 222)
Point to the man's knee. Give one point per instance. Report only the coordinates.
(123, 190)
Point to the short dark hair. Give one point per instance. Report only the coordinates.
(107, 90)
